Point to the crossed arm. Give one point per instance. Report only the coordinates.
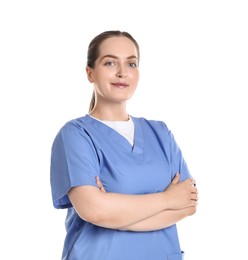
(135, 212)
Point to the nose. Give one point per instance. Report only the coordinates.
(121, 72)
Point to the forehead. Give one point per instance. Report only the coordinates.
(119, 46)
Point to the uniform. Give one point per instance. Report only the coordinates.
(85, 148)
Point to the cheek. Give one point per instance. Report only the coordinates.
(135, 78)
(103, 73)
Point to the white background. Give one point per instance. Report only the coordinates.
(194, 76)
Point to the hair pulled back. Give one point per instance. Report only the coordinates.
(94, 51)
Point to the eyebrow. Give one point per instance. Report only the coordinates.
(115, 57)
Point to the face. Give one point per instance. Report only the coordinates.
(116, 74)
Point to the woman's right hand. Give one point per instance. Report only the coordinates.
(99, 185)
(181, 194)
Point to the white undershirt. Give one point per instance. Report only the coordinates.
(125, 128)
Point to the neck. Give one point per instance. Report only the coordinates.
(110, 114)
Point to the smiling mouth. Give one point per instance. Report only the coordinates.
(120, 85)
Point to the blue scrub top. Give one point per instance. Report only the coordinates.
(85, 148)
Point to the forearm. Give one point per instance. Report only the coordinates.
(112, 210)
(161, 220)
(130, 209)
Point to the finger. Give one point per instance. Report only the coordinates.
(190, 181)
(193, 189)
(176, 178)
(194, 196)
(99, 184)
(102, 189)
(193, 183)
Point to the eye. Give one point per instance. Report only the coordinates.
(132, 65)
(109, 63)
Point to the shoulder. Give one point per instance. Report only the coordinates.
(77, 125)
(73, 129)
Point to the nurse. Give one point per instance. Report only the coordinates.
(122, 179)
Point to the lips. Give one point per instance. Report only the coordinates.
(120, 84)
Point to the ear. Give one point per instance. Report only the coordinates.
(89, 73)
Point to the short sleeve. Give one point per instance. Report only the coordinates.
(178, 163)
(74, 162)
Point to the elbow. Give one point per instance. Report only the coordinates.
(89, 215)
(192, 211)
(94, 216)
(92, 206)
(101, 218)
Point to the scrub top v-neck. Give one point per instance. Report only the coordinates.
(114, 136)
(85, 148)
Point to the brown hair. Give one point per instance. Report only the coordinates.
(94, 51)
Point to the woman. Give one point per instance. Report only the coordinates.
(122, 178)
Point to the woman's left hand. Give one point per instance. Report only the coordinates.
(99, 184)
